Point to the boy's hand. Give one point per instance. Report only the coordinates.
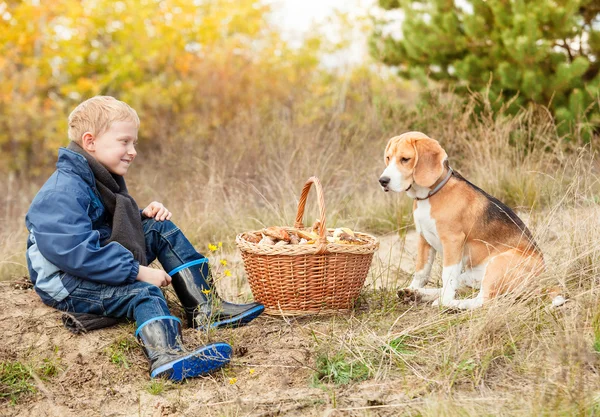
(153, 276)
(158, 211)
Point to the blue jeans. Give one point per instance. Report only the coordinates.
(139, 301)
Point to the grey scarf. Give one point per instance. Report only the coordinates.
(123, 212)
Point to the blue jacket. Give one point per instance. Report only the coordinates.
(66, 223)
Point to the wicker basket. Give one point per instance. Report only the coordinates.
(307, 279)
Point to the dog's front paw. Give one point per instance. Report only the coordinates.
(436, 303)
(406, 295)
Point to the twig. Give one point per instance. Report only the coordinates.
(378, 406)
(41, 386)
(269, 366)
(302, 365)
(223, 402)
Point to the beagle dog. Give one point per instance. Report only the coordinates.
(483, 243)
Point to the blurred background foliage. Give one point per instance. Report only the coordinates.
(187, 67)
(191, 68)
(527, 51)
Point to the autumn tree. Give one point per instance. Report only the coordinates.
(187, 66)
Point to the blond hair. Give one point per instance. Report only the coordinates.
(96, 114)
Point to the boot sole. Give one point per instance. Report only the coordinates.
(201, 362)
(237, 321)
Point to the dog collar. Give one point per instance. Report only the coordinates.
(438, 187)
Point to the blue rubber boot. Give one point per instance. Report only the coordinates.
(203, 307)
(160, 338)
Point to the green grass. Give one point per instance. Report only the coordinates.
(339, 371)
(399, 345)
(119, 351)
(596, 333)
(156, 387)
(50, 367)
(15, 381)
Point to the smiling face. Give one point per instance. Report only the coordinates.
(114, 148)
(411, 158)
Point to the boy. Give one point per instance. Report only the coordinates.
(89, 247)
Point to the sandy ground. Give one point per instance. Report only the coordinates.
(271, 373)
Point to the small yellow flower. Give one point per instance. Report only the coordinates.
(212, 247)
(232, 381)
(223, 262)
(227, 273)
(220, 244)
(251, 370)
(206, 292)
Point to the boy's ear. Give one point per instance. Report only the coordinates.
(88, 142)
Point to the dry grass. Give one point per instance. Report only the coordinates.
(512, 357)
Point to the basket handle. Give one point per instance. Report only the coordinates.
(302, 203)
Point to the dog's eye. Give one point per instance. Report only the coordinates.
(387, 159)
(404, 160)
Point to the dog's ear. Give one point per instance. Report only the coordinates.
(390, 143)
(429, 164)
